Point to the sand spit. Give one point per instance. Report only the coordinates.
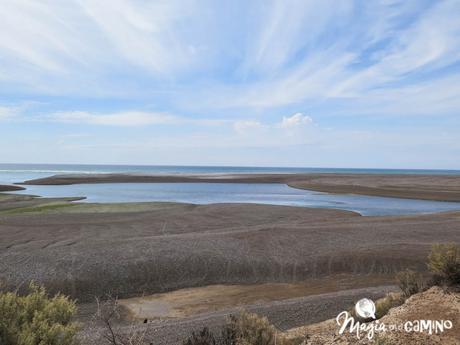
(9, 188)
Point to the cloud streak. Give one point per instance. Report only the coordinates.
(127, 118)
(7, 112)
(400, 48)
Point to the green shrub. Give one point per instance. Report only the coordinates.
(410, 282)
(205, 337)
(251, 329)
(36, 319)
(444, 263)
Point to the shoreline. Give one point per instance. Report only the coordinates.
(405, 186)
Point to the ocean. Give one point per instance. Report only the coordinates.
(10, 172)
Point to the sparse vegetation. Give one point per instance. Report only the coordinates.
(444, 263)
(37, 319)
(249, 328)
(243, 329)
(383, 305)
(108, 312)
(205, 337)
(38, 208)
(410, 282)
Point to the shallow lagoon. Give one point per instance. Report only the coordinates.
(262, 193)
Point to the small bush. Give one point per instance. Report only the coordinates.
(106, 321)
(410, 282)
(205, 337)
(444, 263)
(383, 305)
(36, 319)
(251, 329)
(230, 333)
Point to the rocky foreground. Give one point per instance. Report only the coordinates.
(434, 304)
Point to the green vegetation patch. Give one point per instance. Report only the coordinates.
(243, 329)
(65, 206)
(444, 263)
(43, 208)
(119, 207)
(37, 319)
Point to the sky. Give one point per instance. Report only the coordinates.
(327, 83)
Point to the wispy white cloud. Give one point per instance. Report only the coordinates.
(296, 120)
(399, 47)
(143, 32)
(7, 112)
(430, 43)
(244, 126)
(14, 112)
(127, 118)
(81, 46)
(286, 28)
(293, 125)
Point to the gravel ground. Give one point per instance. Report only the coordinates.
(173, 246)
(283, 314)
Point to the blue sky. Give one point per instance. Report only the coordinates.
(274, 83)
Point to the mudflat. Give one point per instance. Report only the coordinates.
(412, 186)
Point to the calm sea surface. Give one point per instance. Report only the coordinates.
(205, 193)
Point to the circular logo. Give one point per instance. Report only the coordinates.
(365, 308)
